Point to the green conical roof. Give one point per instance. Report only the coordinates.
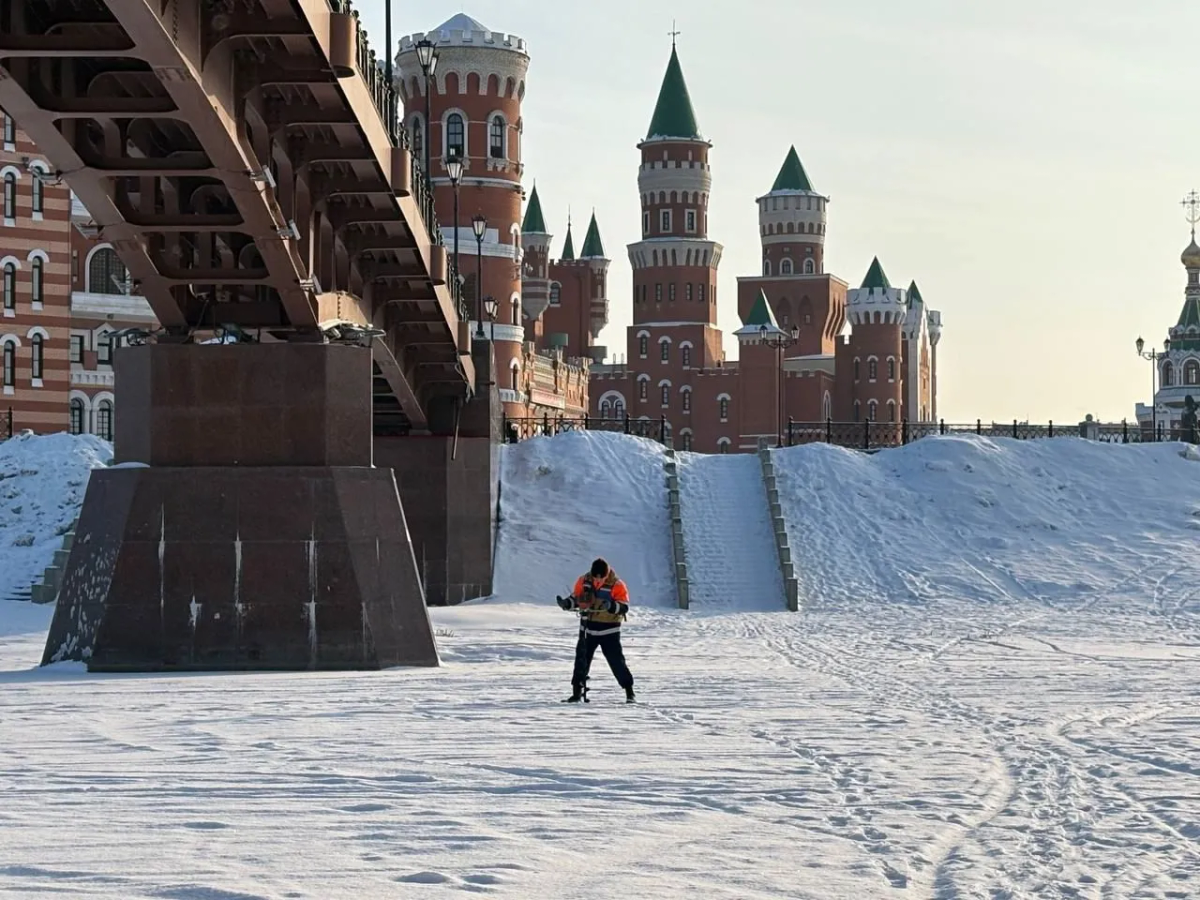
(875, 277)
(760, 313)
(792, 176)
(673, 114)
(569, 245)
(535, 222)
(914, 295)
(592, 247)
(1190, 315)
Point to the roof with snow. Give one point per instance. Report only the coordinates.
(792, 176)
(673, 114)
(462, 22)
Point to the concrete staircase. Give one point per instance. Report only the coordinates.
(46, 591)
(681, 573)
(787, 567)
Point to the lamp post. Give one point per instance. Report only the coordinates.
(491, 306)
(479, 225)
(454, 168)
(1154, 357)
(779, 340)
(427, 57)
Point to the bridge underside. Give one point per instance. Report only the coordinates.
(234, 154)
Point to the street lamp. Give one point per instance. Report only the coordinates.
(427, 57)
(454, 168)
(779, 340)
(479, 224)
(491, 306)
(1154, 357)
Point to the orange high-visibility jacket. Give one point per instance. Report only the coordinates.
(609, 587)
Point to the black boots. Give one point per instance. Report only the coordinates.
(629, 698)
(578, 692)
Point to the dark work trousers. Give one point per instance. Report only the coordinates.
(610, 645)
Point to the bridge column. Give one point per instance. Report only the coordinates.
(451, 489)
(243, 526)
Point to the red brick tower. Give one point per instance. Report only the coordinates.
(873, 357)
(475, 114)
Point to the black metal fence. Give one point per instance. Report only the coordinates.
(6, 424)
(860, 435)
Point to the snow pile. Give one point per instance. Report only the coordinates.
(567, 499)
(994, 520)
(42, 482)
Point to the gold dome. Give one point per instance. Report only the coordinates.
(1191, 256)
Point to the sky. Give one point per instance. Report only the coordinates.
(1024, 162)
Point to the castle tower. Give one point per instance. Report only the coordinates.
(475, 114)
(877, 312)
(535, 284)
(675, 264)
(759, 376)
(593, 256)
(791, 222)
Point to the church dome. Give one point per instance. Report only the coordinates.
(1191, 256)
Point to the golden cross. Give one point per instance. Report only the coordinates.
(1191, 203)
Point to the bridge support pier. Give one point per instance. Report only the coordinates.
(243, 525)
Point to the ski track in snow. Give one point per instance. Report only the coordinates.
(990, 695)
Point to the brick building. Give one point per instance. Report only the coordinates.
(64, 293)
(796, 359)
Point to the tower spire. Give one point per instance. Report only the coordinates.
(674, 33)
(1191, 205)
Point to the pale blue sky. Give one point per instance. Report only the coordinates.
(1024, 161)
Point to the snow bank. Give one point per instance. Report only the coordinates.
(987, 519)
(42, 482)
(567, 499)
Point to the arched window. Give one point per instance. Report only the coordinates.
(555, 294)
(723, 408)
(10, 286)
(1168, 374)
(856, 372)
(10, 364)
(38, 351)
(827, 408)
(619, 409)
(664, 350)
(104, 419)
(785, 267)
(605, 409)
(456, 140)
(497, 137)
(872, 406)
(37, 282)
(39, 192)
(106, 272)
(666, 395)
(872, 369)
(766, 267)
(643, 345)
(686, 398)
(891, 368)
(687, 440)
(76, 416)
(10, 196)
(723, 445)
(857, 411)
(418, 140)
(1191, 372)
(516, 313)
(515, 378)
(810, 267)
(685, 354)
(10, 129)
(642, 388)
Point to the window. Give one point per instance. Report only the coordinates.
(76, 416)
(10, 196)
(516, 311)
(77, 348)
(1191, 372)
(687, 291)
(891, 368)
(106, 273)
(1168, 375)
(38, 356)
(872, 369)
(857, 411)
(658, 293)
(700, 292)
(514, 379)
(810, 267)
(418, 140)
(643, 345)
(496, 148)
(10, 287)
(646, 222)
(686, 356)
(785, 267)
(690, 221)
(104, 349)
(872, 406)
(723, 408)
(104, 419)
(37, 281)
(856, 371)
(723, 445)
(10, 129)
(671, 292)
(555, 294)
(687, 440)
(642, 389)
(664, 220)
(39, 192)
(619, 409)
(766, 267)
(686, 399)
(891, 411)
(666, 395)
(827, 408)
(664, 350)
(605, 409)
(456, 140)
(10, 364)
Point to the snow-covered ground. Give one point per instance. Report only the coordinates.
(991, 693)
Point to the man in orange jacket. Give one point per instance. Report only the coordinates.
(602, 601)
